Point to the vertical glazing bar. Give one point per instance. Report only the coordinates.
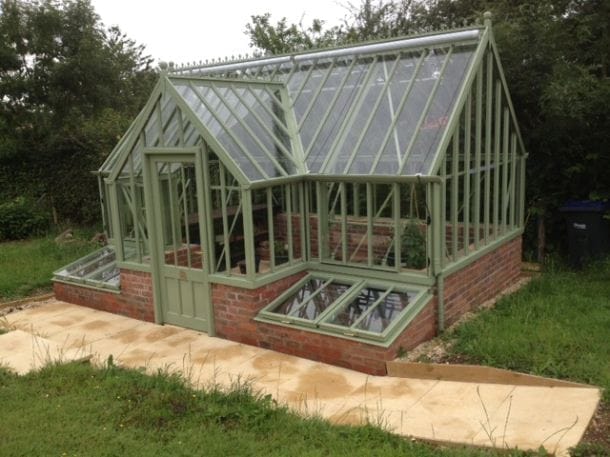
(134, 210)
(505, 164)
(322, 202)
(488, 124)
(186, 216)
(172, 212)
(115, 220)
(513, 176)
(467, 171)
(369, 222)
(249, 232)
(436, 229)
(210, 252)
(356, 193)
(225, 219)
(455, 189)
(521, 191)
(271, 228)
(303, 216)
(443, 212)
(161, 140)
(477, 158)
(397, 227)
(288, 194)
(342, 189)
(103, 203)
(497, 138)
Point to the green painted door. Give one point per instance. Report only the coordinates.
(183, 291)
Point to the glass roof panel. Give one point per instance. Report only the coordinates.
(380, 112)
(321, 133)
(430, 132)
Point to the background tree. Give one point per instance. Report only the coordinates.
(555, 55)
(69, 88)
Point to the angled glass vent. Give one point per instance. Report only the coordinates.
(98, 269)
(344, 306)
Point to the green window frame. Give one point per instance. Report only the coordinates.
(353, 288)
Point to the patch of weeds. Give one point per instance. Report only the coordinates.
(590, 450)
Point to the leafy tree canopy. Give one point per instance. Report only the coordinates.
(69, 88)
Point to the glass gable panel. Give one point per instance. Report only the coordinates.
(247, 120)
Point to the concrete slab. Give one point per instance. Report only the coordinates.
(500, 415)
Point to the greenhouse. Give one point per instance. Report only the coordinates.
(339, 204)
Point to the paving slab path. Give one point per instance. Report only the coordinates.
(497, 415)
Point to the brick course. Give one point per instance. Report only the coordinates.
(135, 299)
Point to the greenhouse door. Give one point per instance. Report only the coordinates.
(175, 184)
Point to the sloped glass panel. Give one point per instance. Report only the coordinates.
(435, 123)
(389, 160)
(320, 134)
(369, 91)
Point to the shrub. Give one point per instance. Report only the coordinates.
(20, 218)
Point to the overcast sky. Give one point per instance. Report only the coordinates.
(189, 30)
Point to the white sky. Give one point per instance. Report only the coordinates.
(183, 31)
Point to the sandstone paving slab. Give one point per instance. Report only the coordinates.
(94, 327)
(23, 352)
(555, 417)
(472, 413)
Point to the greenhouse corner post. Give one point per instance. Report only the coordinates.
(437, 244)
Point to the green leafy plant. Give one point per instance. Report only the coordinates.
(413, 246)
(20, 218)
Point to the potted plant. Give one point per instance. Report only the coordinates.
(412, 248)
(281, 252)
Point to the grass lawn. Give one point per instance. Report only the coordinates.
(77, 410)
(557, 326)
(27, 266)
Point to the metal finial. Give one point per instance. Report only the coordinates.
(487, 18)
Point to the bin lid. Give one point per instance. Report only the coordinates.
(585, 206)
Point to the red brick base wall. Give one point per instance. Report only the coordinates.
(135, 299)
(482, 280)
(235, 309)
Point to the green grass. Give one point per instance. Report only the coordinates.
(557, 326)
(79, 410)
(27, 266)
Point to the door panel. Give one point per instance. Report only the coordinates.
(183, 291)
